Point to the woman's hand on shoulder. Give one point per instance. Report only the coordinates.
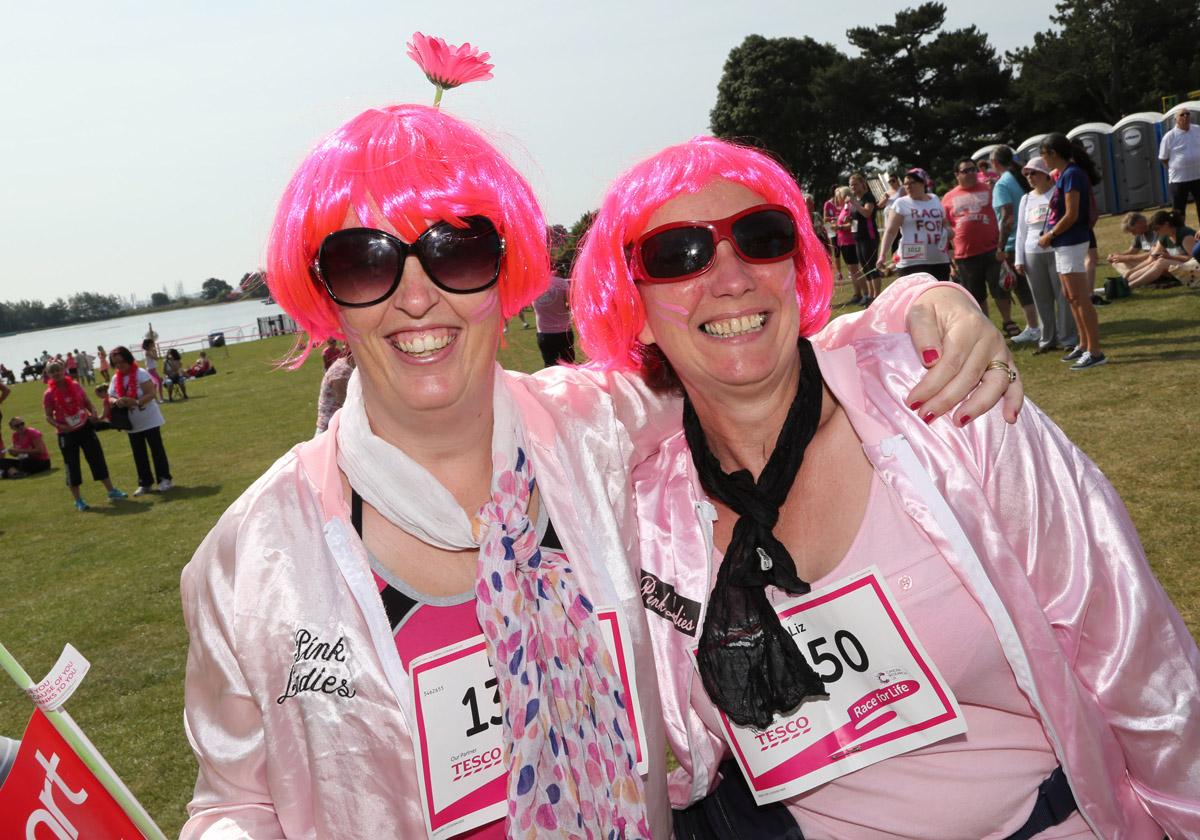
(956, 343)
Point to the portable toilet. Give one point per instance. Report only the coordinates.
(983, 154)
(1029, 147)
(1141, 179)
(1097, 139)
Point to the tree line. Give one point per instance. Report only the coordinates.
(23, 315)
(919, 94)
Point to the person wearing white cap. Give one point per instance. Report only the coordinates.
(1036, 263)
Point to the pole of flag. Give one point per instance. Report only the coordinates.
(87, 752)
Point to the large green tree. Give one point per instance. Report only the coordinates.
(214, 288)
(916, 94)
(771, 96)
(933, 94)
(1104, 59)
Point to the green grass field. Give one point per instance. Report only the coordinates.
(107, 580)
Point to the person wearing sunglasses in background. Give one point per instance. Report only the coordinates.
(797, 466)
(366, 649)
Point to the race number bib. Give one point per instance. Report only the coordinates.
(854, 225)
(75, 420)
(885, 695)
(913, 251)
(458, 741)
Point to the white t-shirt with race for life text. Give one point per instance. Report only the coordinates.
(923, 234)
(1181, 151)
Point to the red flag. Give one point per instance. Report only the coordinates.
(51, 795)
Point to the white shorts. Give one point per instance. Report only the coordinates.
(1068, 259)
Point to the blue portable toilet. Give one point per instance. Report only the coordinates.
(1141, 179)
(1029, 147)
(1096, 137)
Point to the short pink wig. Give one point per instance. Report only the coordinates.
(405, 164)
(604, 298)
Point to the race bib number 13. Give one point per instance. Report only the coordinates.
(458, 736)
(886, 697)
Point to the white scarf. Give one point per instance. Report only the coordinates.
(402, 490)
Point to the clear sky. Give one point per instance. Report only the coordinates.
(145, 144)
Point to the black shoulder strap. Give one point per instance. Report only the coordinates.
(396, 604)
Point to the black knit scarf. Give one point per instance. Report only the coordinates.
(750, 665)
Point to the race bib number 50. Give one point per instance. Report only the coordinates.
(458, 737)
(885, 695)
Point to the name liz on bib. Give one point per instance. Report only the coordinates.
(458, 729)
(886, 696)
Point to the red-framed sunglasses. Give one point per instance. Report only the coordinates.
(669, 253)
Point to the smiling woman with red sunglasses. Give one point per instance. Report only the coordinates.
(904, 625)
(397, 630)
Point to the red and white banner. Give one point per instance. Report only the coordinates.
(51, 795)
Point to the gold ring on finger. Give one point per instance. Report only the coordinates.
(999, 365)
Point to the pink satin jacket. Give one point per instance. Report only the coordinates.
(285, 559)
(1038, 536)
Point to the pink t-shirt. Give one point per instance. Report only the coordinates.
(550, 307)
(981, 784)
(970, 215)
(30, 438)
(73, 420)
(845, 236)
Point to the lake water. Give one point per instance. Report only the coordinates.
(188, 329)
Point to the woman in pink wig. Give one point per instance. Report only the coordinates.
(396, 630)
(903, 625)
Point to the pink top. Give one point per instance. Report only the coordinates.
(31, 438)
(985, 781)
(971, 217)
(844, 235)
(550, 308)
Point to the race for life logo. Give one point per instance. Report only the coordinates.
(660, 597)
(318, 666)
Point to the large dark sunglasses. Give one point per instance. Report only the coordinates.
(765, 233)
(363, 266)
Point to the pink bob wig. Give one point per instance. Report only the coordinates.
(604, 297)
(403, 164)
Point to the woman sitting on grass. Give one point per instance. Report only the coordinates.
(28, 451)
(1174, 248)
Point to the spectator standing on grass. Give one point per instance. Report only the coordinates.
(1179, 151)
(555, 339)
(1069, 232)
(847, 247)
(920, 221)
(866, 235)
(1007, 193)
(134, 389)
(28, 451)
(331, 353)
(1035, 263)
(977, 252)
(70, 412)
(150, 351)
(829, 217)
(83, 364)
(102, 356)
(333, 389)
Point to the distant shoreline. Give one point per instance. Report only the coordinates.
(145, 310)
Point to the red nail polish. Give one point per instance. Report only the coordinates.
(928, 418)
(964, 420)
(929, 356)
(916, 405)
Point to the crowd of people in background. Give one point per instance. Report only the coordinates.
(127, 400)
(1008, 229)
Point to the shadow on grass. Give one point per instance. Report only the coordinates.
(124, 507)
(188, 492)
(1147, 328)
(1147, 358)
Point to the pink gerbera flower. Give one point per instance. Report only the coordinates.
(446, 65)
